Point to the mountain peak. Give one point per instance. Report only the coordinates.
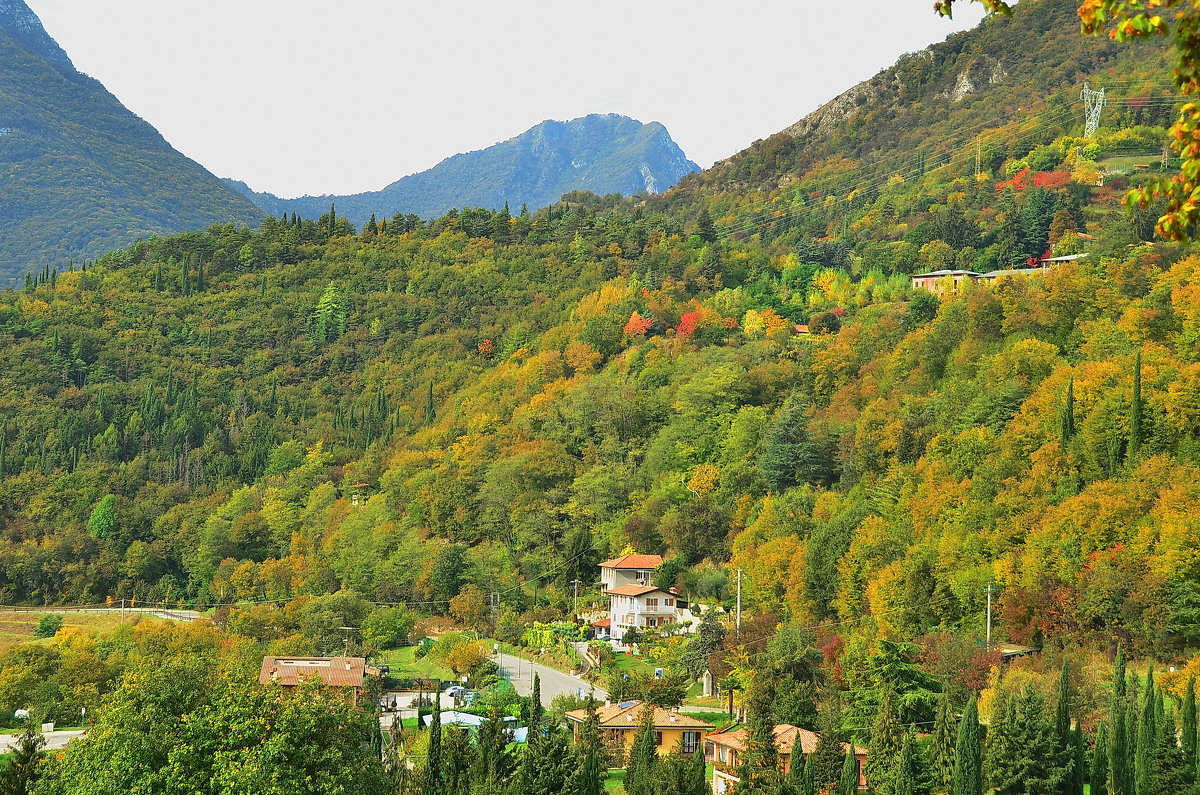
(19, 21)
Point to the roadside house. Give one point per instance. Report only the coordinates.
(619, 724)
(347, 673)
(724, 751)
(633, 602)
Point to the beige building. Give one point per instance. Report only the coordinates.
(619, 724)
(724, 751)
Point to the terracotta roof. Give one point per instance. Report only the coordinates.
(633, 562)
(628, 715)
(786, 736)
(633, 589)
(335, 671)
(603, 623)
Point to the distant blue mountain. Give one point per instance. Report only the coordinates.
(602, 153)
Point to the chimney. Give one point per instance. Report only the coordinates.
(608, 702)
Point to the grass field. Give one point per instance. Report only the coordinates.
(405, 665)
(18, 627)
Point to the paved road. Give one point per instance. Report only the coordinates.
(554, 682)
(54, 740)
(174, 615)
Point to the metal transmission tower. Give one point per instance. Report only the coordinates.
(1093, 103)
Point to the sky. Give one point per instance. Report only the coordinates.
(340, 97)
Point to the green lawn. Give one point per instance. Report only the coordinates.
(405, 665)
(615, 782)
(17, 627)
(633, 665)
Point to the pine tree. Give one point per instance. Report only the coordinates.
(642, 770)
(24, 765)
(887, 737)
(1135, 414)
(942, 742)
(1068, 414)
(760, 760)
(968, 753)
(1029, 758)
(1188, 717)
(1098, 776)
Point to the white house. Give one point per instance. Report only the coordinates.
(634, 602)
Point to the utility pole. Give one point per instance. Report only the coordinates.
(988, 643)
(122, 609)
(576, 583)
(739, 603)
(978, 155)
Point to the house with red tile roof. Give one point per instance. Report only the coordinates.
(634, 603)
(350, 673)
(619, 723)
(724, 750)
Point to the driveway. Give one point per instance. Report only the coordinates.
(554, 682)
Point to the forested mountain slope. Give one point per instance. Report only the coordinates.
(601, 153)
(508, 397)
(81, 174)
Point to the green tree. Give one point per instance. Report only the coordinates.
(1098, 775)
(759, 770)
(1135, 412)
(588, 776)
(433, 777)
(968, 753)
(493, 763)
(1030, 761)
(1146, 738)
(887, 737)
(789, 454)
(710, 634)
(23, 768)
(942, 743)
(848, 780)
(826, 758)
(48, 626)
(1120, 751)
(1188, 722)
(103, 521)
(641, 771)
(329, 320)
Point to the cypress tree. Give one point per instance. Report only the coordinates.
(1188, 717)
(1146, 739)
(1078, 765)
(493, 764)
(942, 742)
(432, 780)
(1098, 776)
(808, 778)
(588, 778)
(1135, 415)
(968, 753)
(1120, 775)
(887, 738)
(1062, 725)
(696, 775)
(1169, 770)
(1068, 415)
(907, 772)
(458, 760)
(848, 781)
(642, 770)
(429, 411)
(826, 758)
(797, 765)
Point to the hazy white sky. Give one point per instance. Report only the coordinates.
(344, 96)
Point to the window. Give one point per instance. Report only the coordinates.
(658, 738)
(669, 602)
(691, 742)
(652, 602)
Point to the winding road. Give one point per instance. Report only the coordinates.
(554, 682)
